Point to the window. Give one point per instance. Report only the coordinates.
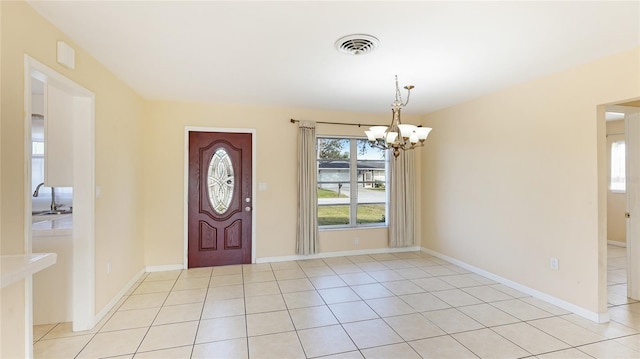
(618, 177)
(64, 195)
(37, 165)
(351, 183)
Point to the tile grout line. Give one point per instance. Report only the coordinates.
(206, 294)
(158, 313)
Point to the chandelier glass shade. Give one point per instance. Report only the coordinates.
(397, 136)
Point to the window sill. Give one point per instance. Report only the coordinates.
(343, 228)
(622, 191)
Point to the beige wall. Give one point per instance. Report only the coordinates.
(118, 129)
(12, 332)
(53, 287)
(512, 179)
(616, 202)
(276, 160)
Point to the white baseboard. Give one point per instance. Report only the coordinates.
(337, 254)
(128, 286)
(102, 313)
(165, 267)
(617, 243)
(593, 316)
(296, 257)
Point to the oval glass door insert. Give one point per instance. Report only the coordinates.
(221, 181)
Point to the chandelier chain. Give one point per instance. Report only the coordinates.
(398, 101)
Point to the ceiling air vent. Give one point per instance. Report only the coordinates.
(357, 44)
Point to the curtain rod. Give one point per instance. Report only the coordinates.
(614, 134)
(339, 123)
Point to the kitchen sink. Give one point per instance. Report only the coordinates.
(50, 213)
(48, 216)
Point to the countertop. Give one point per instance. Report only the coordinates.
(19, 266)
(52, 225)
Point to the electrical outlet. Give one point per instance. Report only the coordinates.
(356, 241)
(108, 267)
(555, 263)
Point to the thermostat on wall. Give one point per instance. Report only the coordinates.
(66, 55)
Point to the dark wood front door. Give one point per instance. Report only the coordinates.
(220, 198)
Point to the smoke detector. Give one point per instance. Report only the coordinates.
(357, 44)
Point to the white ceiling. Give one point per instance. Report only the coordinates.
(282, 53)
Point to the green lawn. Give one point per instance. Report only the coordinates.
(325, 193)
(335, 215)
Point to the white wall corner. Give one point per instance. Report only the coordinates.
(114, 301)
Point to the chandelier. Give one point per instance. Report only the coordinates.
(397, 136)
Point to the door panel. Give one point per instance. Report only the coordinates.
(220, 199)
(632, 143)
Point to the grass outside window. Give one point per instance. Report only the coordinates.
(333, 215)
(339, 214)
(326, 193)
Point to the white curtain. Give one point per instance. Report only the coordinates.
(307, 234)
(402, 201)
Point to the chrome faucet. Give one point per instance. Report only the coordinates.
(54, 205)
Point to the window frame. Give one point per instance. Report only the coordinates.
(353, 186)
(614, 162)
(64, 195)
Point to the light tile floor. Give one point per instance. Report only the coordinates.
(402, 305)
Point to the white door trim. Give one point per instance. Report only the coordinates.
(83, 196)
(254, 156)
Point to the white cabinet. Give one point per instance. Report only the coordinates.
(58, 138)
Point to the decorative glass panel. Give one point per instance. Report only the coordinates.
(221, 181)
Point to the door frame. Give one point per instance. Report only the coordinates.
(633, 259)
(254, 156)
(83, 232)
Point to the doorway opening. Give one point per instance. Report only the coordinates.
(66, 157)
(622, 208)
